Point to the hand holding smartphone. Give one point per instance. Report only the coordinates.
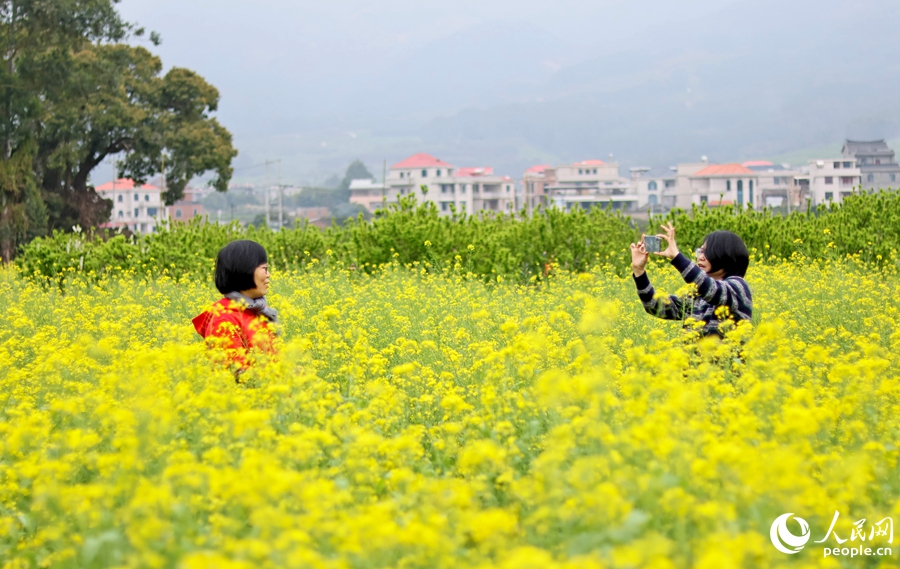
(651, 243)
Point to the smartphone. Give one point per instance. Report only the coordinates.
(651, 243)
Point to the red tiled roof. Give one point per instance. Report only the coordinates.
(539, 169)
(485, 171)
(421, 160)
(723, 169)
(123, 184)
(590, 163)
(756, 163)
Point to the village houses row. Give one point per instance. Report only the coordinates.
(862, 165)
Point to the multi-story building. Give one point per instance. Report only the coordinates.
(465, 189)
(187, 207)
(752, 184)
(831, 180)
(534, 187)
(875, 161)
(713, 184)
(367, 193)
(774, 183)
(652, 184)
(136, 207)
(587, 184)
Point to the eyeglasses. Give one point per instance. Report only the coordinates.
(699, 253)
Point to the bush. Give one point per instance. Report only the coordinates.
(519, 246)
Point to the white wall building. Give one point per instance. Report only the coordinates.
(590, 183)
(139, 208)
(829, 180)
(465, 189)
(651, 185)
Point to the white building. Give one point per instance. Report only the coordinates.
(651, 185)
(828, 180)
(465, 189)
(589, 183)
(136, 207)
(774, 183)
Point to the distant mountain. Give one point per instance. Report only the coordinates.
(755, 79)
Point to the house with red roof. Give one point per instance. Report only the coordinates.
(466, 189)
(136, 207)
(535, 183)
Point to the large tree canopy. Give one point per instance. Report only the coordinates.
(73, 93)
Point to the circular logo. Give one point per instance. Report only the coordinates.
(782, 538)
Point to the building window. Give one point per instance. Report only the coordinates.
(848, 164)
(740, 192)
(424, 173)
(651, 186)
(595, 170)
(146, 197)
(893, 177)
(151, 211)
(669, 184)
(837, 165)
(462, 188)
(653, 200)
(829, 196)
(445, 206)
(437, 173)
(776, 180)
(727, 185)
(507, 189)
(703, 199)
(580, 171)
(121, 214)
(829, 180)
(178, 213)
(121, 198)
(847, 180)
(136, 198)
(401, 174)
(878, 161)
(870, 178)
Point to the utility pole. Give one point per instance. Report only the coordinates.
(266, 192)
(280, 199)
(266, 188)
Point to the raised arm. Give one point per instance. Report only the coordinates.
(731, 292)
(670, 307)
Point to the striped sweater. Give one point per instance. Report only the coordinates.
(732, 292)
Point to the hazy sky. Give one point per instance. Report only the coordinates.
(507, 83)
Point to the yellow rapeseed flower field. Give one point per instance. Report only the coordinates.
(422, 419)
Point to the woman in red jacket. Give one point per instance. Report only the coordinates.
(241, 324)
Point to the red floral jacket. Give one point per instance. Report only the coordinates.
(239, 332)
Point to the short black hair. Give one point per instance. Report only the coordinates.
(725, 250)
(236, 264)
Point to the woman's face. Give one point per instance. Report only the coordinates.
(702, 262)
(261, 279)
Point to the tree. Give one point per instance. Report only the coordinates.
(75, 94)
(355, 171)
(36, 42)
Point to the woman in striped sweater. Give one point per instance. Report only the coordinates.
(722, 293)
